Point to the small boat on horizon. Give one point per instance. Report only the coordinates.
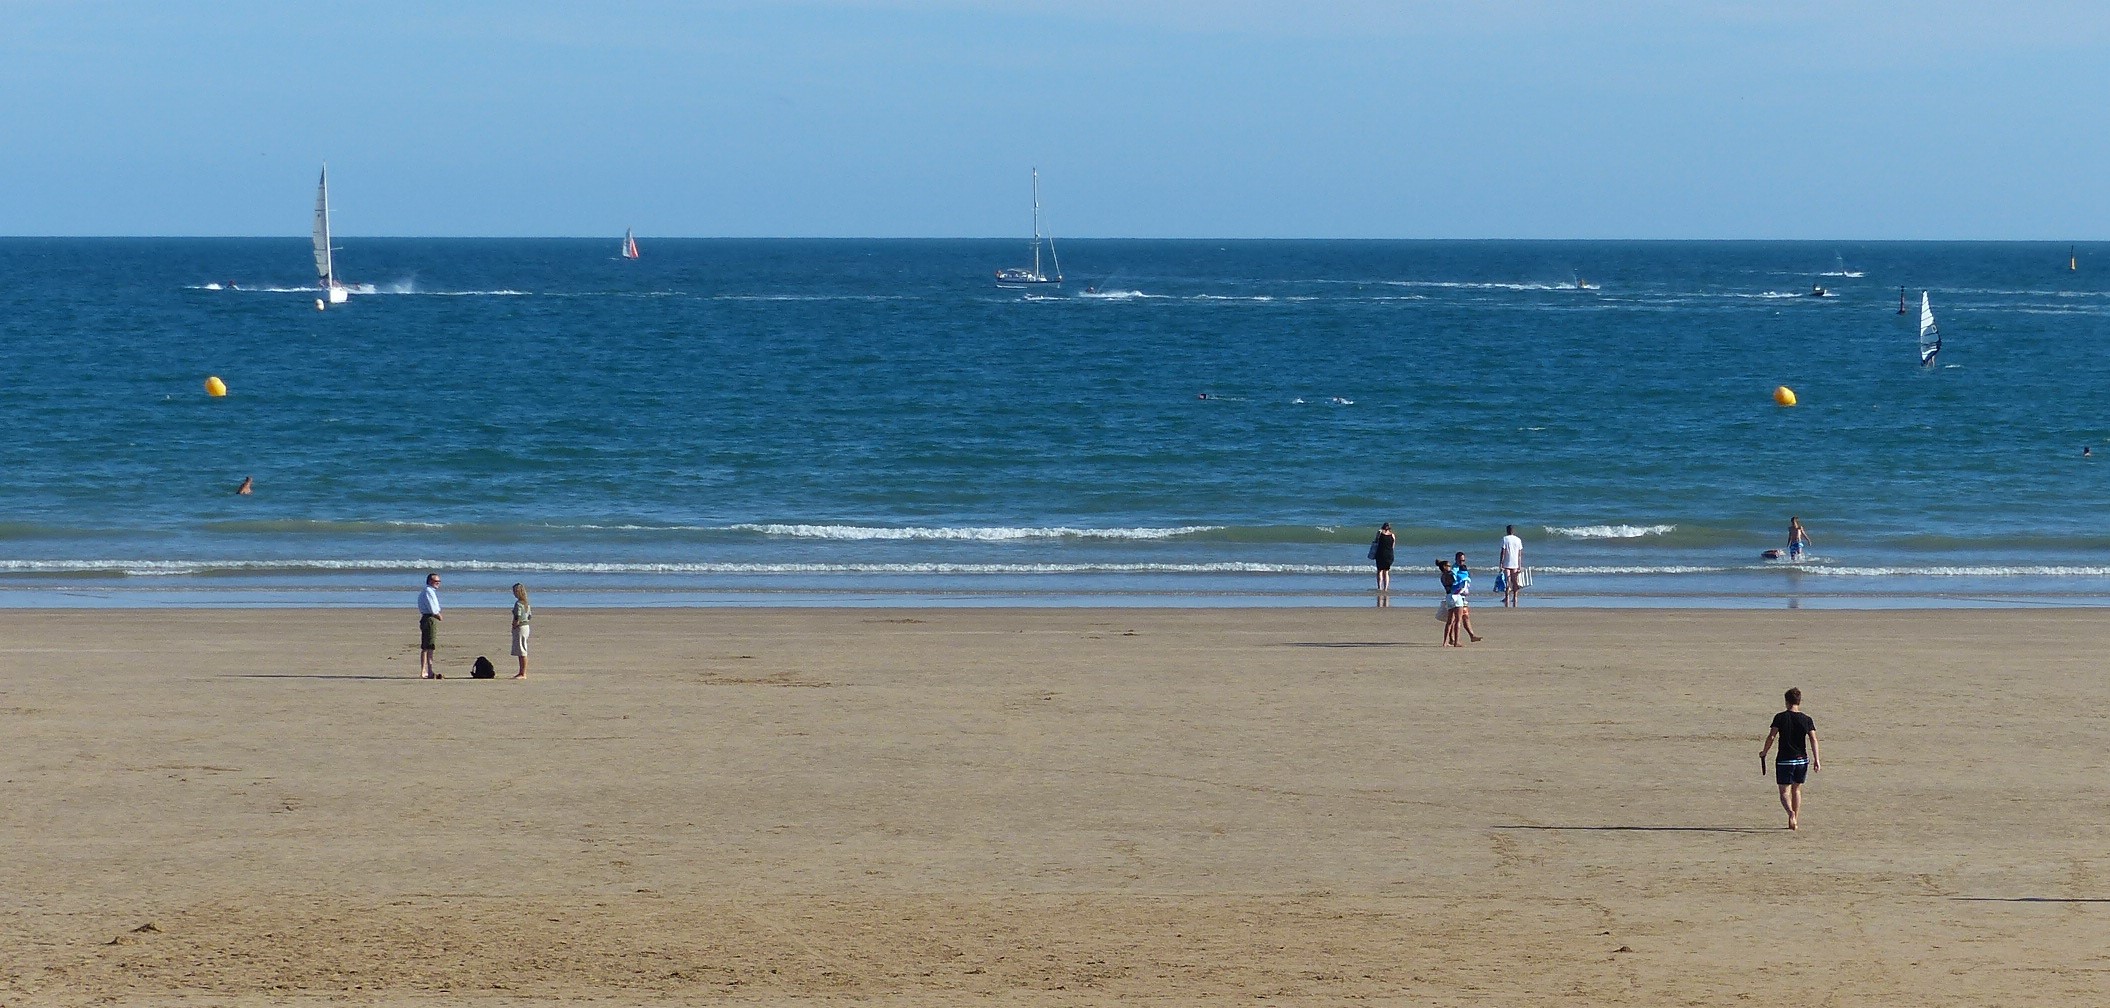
(333, 290)
(629, 249)
(1021, 278)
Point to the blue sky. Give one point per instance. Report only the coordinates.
(1234, 118)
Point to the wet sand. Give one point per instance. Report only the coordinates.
(1036, 807)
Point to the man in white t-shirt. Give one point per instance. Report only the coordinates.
(1512, 564)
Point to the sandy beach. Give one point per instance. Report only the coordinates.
(1050, 807)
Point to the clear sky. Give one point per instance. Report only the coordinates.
(1147, 118)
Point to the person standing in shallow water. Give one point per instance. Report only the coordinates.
(1381, 550)
(1798, 537)
(522, 613)
(1798, 755)
(1512, 564)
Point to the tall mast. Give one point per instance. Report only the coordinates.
(1036, 222)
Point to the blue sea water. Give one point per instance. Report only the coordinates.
(1219, 422)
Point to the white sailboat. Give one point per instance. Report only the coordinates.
(1930, 337)
(629, 244)
(333, 290)
(1021, 278)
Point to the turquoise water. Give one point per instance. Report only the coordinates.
(873, 422)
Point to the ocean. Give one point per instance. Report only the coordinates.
(872, 422)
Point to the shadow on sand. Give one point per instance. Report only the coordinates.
(2031, 899)
(1651, 829)
(1357, 644)
(315, 675)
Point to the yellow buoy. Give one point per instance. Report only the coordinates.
(1784, 396)
(215, 387)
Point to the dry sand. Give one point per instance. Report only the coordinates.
(1078, 807)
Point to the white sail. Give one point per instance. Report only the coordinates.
(322, 228)
(325, 264)
(1021, 277)
(629, 244)
(1930, 337)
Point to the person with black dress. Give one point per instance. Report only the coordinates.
(1381, 554)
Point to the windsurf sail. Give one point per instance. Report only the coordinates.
(333, 290)
(1930, 337)
(629, 244)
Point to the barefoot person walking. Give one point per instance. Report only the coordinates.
(1461, 597)
(522, 614)
(1512, 564)
(1798, 755)
(429, 627)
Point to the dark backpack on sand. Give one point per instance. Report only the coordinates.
(483, 669)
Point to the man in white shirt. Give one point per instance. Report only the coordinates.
(428, 627)
(1512, 564)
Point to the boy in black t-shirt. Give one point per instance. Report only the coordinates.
(1798, 755)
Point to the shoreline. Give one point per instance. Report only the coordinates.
(59, 595)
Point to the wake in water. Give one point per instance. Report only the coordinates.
(395, 287)
(1120, 295)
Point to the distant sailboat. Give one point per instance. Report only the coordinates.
(1021, 278)
(1930, 337)
(629, 244)
(333, 290)
(2073, 261)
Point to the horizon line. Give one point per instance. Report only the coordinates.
(1006, 238)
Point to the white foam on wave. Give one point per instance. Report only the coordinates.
(989, 534)
(1634, 570)
(809, 297)
(1234, 297)
(1465, 285)
(1609, 531)
(1978, 572)
(167, 568)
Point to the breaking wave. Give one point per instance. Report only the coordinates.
(1609, 531)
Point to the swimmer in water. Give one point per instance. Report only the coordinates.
(248, 486)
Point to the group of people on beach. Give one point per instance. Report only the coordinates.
(429, 620)
(1456, 578)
